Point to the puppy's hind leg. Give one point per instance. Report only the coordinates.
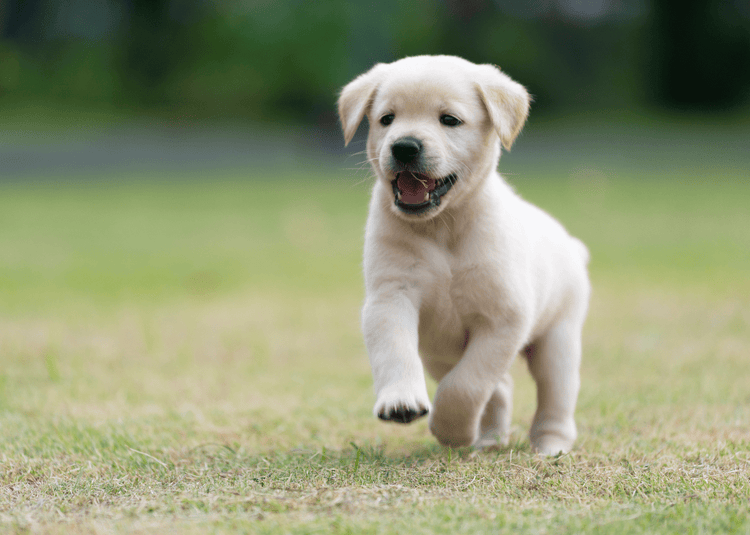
(554, 364)
(463, 394)
(494, 428)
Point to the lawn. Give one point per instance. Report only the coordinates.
(183, 354)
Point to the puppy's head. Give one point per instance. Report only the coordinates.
(436, 126)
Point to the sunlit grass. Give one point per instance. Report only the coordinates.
(186, 356)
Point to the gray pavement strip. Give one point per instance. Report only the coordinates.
(146, 147)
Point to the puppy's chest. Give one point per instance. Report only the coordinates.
(459, 290)
(462, 290)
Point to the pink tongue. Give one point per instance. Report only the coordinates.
(413, 187)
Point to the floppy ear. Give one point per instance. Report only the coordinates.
(356, 98)
(506, 101)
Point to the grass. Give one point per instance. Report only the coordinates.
(185, 356)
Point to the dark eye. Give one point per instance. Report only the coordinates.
(449, 120)
(385, 120)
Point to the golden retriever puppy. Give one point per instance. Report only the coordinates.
(461, 274)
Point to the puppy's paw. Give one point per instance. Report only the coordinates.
(552, 436)
(492, 439)
(452, 423)
(400, 404)
(551, 445)
(402, 414)
(454, 433)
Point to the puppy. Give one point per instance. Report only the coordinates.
(461, 274)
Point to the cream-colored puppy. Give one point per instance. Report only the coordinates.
(461, 274)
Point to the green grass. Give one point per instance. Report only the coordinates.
(185, 356)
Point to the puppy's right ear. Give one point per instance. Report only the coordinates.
(356, 98)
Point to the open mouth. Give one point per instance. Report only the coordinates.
(415, 193)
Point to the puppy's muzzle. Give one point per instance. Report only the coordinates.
(415, 192)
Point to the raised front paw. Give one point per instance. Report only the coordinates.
(399, 403)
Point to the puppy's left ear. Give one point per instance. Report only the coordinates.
(356, 98)
(507, 103)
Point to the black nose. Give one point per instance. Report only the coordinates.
(406, 149)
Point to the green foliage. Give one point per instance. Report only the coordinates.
(264, 59)
(274, 58)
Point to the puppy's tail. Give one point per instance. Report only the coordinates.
(584, 251)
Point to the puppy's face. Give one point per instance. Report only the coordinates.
(436, 123)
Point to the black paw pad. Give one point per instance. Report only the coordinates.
(402, 415)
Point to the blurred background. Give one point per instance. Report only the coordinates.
(157, 149)
(255, 80)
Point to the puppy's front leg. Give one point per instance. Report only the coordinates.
(463, 394)
(390, 322)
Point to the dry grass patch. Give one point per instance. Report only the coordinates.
(252, 414)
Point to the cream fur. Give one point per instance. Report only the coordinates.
(462, 289)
